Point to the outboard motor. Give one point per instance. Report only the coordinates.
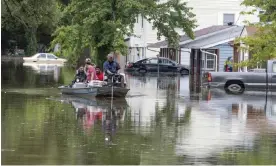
(118, 79)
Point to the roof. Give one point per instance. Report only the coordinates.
(198, 33)
(220, 37)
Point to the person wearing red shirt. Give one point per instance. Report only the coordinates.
(99, 73)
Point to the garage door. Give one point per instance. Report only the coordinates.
(185, 56)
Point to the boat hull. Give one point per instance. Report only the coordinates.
(104, 91)
(92, 101)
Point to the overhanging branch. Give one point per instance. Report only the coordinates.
(18, 18)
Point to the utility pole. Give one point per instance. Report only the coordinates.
(113, 9)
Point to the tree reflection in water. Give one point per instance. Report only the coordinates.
(154, 129)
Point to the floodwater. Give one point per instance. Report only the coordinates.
(159, 122)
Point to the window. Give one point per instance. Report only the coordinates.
(50, 56)
(228, 18)
(142, 61)
(209, 60)
(42, 67)
(261, 12)
(152, 61)
(165, 62)
(274, 67)
(51, 67)
(173, 62)
(42, 56)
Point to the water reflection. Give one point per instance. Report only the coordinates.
(158, 123)
(90, 110)
(32, 75)
(45, 69)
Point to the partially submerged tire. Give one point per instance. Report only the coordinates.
(234, 87)
(142, 70)
(184, 72)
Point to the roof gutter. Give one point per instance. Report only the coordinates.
(198, 38)
(207, 35)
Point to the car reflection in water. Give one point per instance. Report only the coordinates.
(230, 119)
(91, 110)
(261, 99)
(45, 69)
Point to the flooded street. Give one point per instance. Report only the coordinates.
(159, 122)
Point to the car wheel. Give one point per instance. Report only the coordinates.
(184, 72)
(142, 70)
(234, 87)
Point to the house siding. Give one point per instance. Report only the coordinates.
(225, 51)
(207, 13)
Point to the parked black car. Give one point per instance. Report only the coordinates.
(151, 65)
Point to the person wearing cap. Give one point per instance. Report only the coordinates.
(90, 70)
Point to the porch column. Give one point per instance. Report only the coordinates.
(235, 58)
(246, 57)
(195, 70)
(241, 57)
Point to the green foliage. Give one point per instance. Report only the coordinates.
(29, 15)
(102, 25)
(262, 45)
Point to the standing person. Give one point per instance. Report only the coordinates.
(90, 70)
(228, 65)
(99, 73)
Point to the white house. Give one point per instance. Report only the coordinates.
(208, 13)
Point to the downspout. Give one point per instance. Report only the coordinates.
(216, 61)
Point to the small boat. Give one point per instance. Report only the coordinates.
(83, 100)
(95, 88)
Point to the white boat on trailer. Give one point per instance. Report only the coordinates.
(96, 88)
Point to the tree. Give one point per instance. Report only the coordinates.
(262, 45)
(29, 15)
(102, 25)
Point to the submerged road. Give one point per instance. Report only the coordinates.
(159, 122)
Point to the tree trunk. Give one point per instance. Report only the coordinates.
(101, 54)
(85, 54)
(30, 35)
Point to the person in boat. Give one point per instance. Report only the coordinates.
(80, 76)
(90, 70)
(99, 73)
(111, 68)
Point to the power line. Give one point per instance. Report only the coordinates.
(235, 24)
